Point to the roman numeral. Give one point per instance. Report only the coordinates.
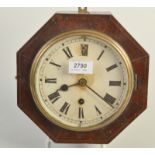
(81, 113)
(64, 109)
(84, 49)
(68, 52)
(114, 83)
(54, 96)
(52, 63)
(100, 55)
(98, 111)
(47, 80)
(111, 67)
(84, 38)
(109, 99)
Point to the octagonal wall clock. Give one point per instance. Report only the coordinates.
(82, 78)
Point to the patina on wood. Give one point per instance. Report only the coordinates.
(58, 24)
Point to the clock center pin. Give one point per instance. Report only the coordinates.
(82, 82)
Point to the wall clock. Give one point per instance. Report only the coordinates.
(82, 78)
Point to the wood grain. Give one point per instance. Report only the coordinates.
(58, 24)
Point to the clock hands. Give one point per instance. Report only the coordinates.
(55, 96)
(83, 83)
(99, 95)
(65, 87)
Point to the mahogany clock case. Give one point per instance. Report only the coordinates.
(108, 25)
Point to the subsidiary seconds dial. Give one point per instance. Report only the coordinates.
(81, 101)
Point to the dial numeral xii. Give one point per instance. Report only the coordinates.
(84, 49)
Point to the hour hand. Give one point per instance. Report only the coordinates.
(55, 96)
(65, 87)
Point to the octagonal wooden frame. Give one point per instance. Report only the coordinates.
(104, 23)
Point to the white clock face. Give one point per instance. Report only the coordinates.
(81, 101)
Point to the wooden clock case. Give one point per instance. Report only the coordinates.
(104, 23)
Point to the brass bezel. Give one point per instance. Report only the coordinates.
(97, 35)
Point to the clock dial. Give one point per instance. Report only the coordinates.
(81, 102)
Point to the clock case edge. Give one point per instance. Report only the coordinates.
(61, 23)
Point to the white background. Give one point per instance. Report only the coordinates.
(17, 25)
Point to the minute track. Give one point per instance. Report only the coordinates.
(77, 102)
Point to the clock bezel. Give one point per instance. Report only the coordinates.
(97, 35)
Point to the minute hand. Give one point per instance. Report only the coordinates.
(99, 95)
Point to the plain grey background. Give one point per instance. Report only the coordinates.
(17, 25)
